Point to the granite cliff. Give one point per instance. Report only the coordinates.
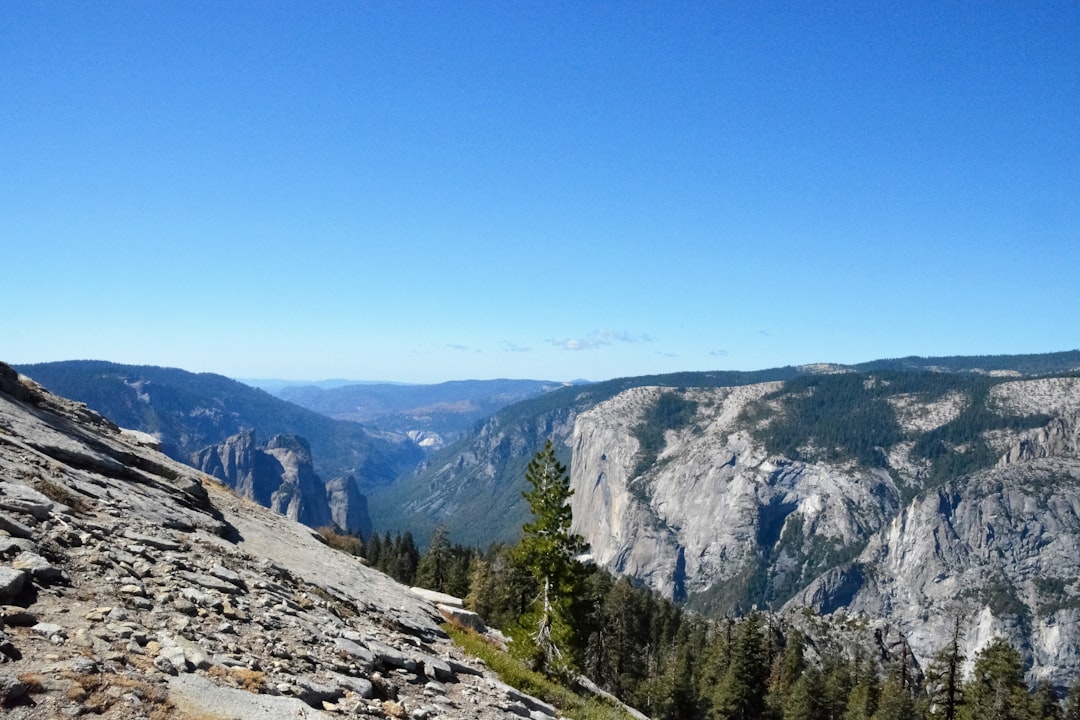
(962, 500)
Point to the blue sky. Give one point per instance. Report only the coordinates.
(432, 191)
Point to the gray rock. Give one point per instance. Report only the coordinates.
(463, 617)
(229, 576)
(11, 582)
(197, 695)
(11, 688)
(50, 630)
(15, 528)
(526, 700)
(436, 668)
(360, 686)
(37, 510)
(16, 616)
(209, 582)
(161, 543)
(357, 653)
(42, 571)
(202, 599)
(315, 693)
(391, 656)
(437, 598)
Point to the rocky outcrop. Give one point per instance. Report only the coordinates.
(301, 495)
(348, 507)
(281, 476)
(134, 586)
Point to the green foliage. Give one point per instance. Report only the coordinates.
(397, 556)
(445, 567)
(1045, 704)
(848, 416)
(832, 417)
(944, 678)
(1027, 365)
(500, 590)
(996, 690)
(957, 448)
(741, 692)
(670, 411)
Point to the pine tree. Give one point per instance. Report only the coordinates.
(433, 570)
(806, 698)
(405, 559)
(944, 683)
(1072, 703)
(1045, 704)
(863, 701)
(548, 550)
(895, 702)
(741, 693)
(996, 690)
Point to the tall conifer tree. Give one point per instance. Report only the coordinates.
(548, 550)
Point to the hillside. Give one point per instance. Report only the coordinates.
(132, 586)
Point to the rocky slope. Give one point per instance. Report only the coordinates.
(719, 519)
(132, 586)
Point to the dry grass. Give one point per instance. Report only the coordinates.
(58, 493)
(243, 678)
(345, 543)
(97, 693)
(33, 682)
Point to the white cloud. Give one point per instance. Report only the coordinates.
(600, 338)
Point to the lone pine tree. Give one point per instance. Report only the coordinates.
(548, 551)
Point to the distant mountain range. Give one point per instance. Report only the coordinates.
(188, 412)
(432, 415)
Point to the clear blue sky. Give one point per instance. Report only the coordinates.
(434, 191)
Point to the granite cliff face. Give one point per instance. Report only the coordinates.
(281, 476)
(720, 521)
(133, 586)
(715, 514)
